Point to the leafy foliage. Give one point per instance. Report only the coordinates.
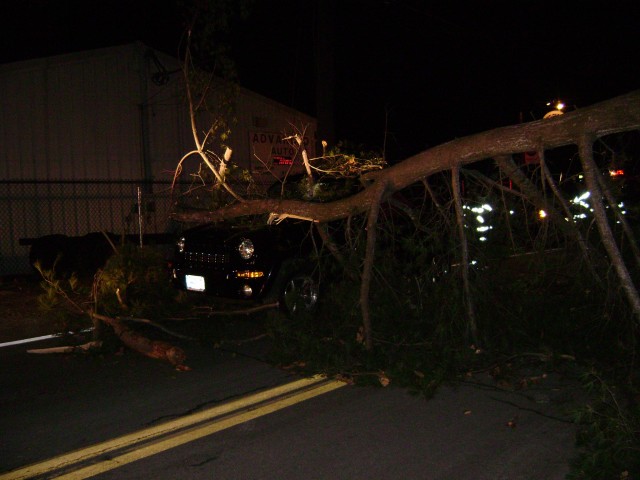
(62, 299)
(346, 160)
(609, 435)
(134, 282)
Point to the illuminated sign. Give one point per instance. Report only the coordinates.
(275, 153)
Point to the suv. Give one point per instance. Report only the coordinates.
(266, 263)
(259, 262)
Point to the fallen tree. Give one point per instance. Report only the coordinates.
(108, 297)
(580, 127)
(616, 115)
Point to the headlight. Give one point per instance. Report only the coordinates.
(246, 249)
(180, 244)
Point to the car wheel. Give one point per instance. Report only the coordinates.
(300, 294)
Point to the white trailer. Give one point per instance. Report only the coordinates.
(81, 132)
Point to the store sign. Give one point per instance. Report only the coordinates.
(275, 153)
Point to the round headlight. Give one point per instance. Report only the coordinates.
(245, 249)
(180, 244)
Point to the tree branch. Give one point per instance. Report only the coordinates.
(472, 329)
(590, 170)
(616, 115)
(367, 269)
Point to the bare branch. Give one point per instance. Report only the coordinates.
(472, 329)
(367, 269)
(589, 167)
(633, 244)
(200, 145)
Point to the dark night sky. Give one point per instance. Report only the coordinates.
(434, 70)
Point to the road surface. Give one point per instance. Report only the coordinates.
(129, 417)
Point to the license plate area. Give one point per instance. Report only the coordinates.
(194, 283)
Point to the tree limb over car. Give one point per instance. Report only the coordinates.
(580, 127)
(612, 116)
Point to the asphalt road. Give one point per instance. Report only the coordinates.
(51, 405)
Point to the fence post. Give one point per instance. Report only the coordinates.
(140, 214)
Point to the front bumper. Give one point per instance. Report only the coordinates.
(246, 284)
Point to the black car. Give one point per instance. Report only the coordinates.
(263, 263)
(260, 262)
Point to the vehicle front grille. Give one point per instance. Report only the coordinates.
(204, 259)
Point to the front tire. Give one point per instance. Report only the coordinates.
(300, 294)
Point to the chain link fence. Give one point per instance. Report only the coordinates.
(33, 209)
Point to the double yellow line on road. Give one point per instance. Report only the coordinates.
(120, 451)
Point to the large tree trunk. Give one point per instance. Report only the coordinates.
(616, 115)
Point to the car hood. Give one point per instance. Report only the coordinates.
(280, 237)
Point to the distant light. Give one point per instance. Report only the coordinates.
(557, 107)
(542, 214)
(481, 209)
(580, 200)
(616, 173)
(480, 219)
